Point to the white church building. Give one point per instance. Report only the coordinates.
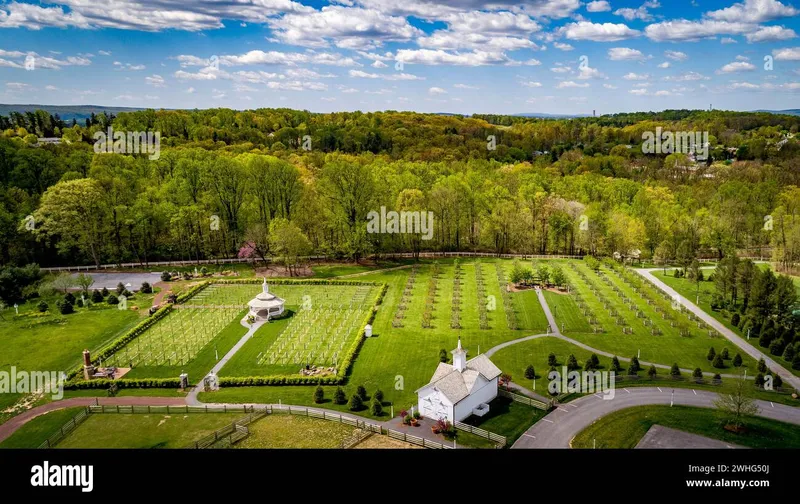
(459, 390)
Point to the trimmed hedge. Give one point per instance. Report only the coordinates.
(123, 340)
(189, 294)
(314, 281)
(125, 383)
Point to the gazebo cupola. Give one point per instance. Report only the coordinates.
(266, 305)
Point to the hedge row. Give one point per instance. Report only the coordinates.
(123, 340)
(350, 356)
(125, 383)
(247, 381)
(189, 294)
(316, 281)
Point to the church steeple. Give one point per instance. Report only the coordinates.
(264, 286)
(459, 357)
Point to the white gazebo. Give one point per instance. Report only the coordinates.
(265, 305)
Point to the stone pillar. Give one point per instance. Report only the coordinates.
(88, 369)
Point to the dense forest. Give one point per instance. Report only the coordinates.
(290, 182)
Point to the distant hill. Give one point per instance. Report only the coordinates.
(550, 116)
(794, 112)
(66, 112)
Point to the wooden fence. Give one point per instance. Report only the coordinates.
(65, 429)
(524, 400)
(491, 436)
(231, 433)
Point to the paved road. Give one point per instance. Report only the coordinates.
(191, 398)
(734, 338)
(558, 428)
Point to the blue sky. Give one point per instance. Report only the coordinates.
(460, 56)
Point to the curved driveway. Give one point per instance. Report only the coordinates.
(558, 428)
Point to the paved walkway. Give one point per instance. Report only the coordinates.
(559, 427)
(191, 399)
(734, 338)
(11, 426)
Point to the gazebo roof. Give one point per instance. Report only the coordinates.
(265, 299)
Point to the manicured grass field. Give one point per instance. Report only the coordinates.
(507, 418)
(566, 312)
(290, 431)
(34, 433)
(689, 289)
(113, 430)
(625, 428)
(669, 347)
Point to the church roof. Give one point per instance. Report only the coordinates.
(457, 385)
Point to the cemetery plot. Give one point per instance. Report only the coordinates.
(176, 339)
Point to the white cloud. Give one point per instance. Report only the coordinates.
(465, 86)
(676, 55)
(571, 84)
(638, 91)
(378, 64)
(740, 57)
(743, 85)
(598, 6)
(285, 85)
(664, 65)
(190, 90)
(18, 86)
(771, 33)
(531, 84)
(625, 54)
(687, 77)
(609, 86)
(728, 40)
(737, 66)
(684, 30)
(391, 76)
(345, 27)
(597, 32)
(635, 76)
(560, 69)
(562, 46)
(754, 11)
(440, 57)
(436, 91)
(640, 12)
(104, 53)
(587, 72)
(787, 54)
(155, 80)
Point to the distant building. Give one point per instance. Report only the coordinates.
(48, 140)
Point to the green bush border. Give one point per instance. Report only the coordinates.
(125, 383)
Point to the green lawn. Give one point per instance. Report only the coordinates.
(34, 433)
(119, 430)
(292, 431)
(689, 289)
(625, 428)
(529, 312)
(507, 418)
(568, 317)
(666, 348)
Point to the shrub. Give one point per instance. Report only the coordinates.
(698, 373)
(97, 297)
(43, 306)
(64, 308)
(760, 380)
(104, 292)
(737, 360)
(762, 366)
(417, 415)
(572, 362)
(69, 298)
(128, 294)
(375, 407)
(146, 288)
(766, 337)
(796, 361)
(631, 371)
(615, 365)
(635, 364)
(407, 419)
(735, 319)
(79, 302)
(530, 372)
(595, 361)
(717, 376)
(777, 381)
(120, 288)
(718, 362)
(165, 276)
(551, 360)
(711, 354)
(112, 299)
(204, 271)
(361, 392)
(675, 370)
(776, 347)
(339, 397)
(724, 353)
(356, 403)
(588, 365)
(378, 395)
(319, 394)
(442, 355)
(652, 371)
(788, 353)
